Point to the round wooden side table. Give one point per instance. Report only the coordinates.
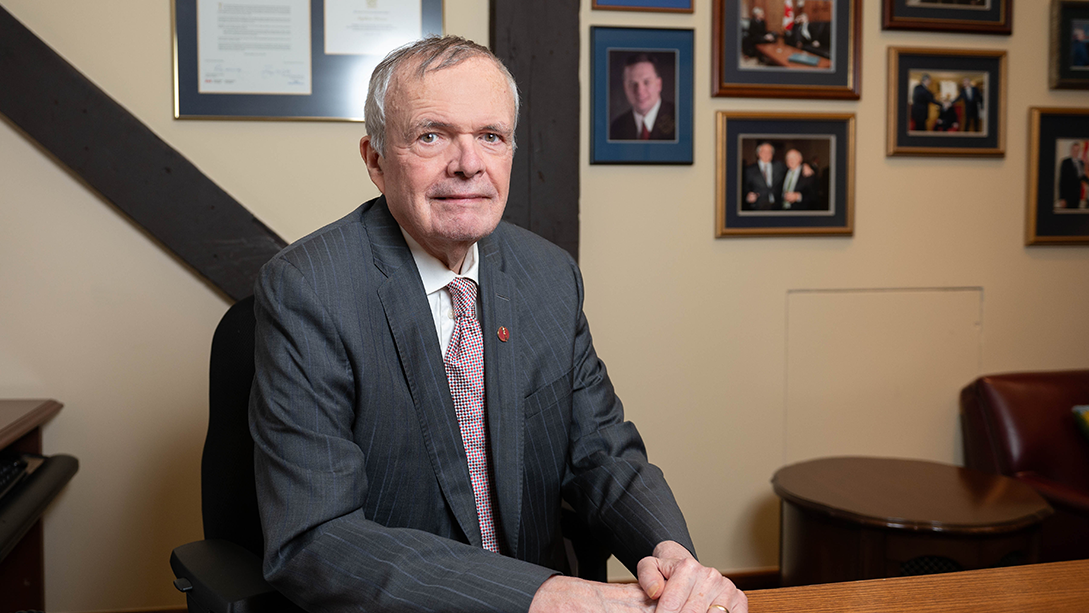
(850, 518)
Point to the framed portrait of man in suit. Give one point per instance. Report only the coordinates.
(1058, 194)
(946, 102)
(1069, 47)
(967, 16)
(784, 174)
(641, 96)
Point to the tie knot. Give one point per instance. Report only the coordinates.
(463, 296)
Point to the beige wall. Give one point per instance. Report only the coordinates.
(752, 361)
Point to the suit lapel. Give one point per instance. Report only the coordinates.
(412, 325)
(501, 385)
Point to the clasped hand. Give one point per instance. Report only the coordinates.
(670, 581)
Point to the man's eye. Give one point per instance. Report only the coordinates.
(491, 138)
(428, 137)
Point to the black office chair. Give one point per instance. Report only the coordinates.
(222, 573)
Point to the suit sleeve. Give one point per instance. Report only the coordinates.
(320, 549)
(621, 496)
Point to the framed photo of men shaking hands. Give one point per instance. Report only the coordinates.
(784, 174)
(948, 102)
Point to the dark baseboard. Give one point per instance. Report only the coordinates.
(762, 579)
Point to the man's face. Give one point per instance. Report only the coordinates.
(449, 147)
(793, 159)
(1075, 150)
(642, 86)
(966, 83)
(765, 152)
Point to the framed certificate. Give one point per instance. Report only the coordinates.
(287, 59)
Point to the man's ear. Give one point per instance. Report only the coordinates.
(373, 159)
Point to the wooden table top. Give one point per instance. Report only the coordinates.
(1060, 587)
(17, 417)
(911, 495)
(780, 54)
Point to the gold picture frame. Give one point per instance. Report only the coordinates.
(1052, 216)
(969, 88)
(823, 197)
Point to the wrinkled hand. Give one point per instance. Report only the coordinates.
(674, 578)
(572, 595)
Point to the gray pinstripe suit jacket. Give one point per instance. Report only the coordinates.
(362, 480)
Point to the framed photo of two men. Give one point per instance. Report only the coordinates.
(1058, 185)
(787, 48)
(784, 174)
(969, 16)
(641, 96)
(946, 102)
(1069, 57)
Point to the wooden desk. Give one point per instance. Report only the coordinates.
(779, 54)
(22, 564)
(851, 518)
(1060, 587)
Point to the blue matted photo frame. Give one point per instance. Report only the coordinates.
(618, 56)
(825, 143)
(668, 6)
(338, 81)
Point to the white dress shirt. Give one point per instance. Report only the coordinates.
(648, 119)
(436, 276)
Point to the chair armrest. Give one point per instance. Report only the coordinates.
(1055, 492)
(224, 577)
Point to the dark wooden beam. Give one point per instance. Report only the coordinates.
(539, 42)
(132, 168)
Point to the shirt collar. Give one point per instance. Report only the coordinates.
(434, 274)
(648, 119)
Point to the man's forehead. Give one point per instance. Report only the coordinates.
(459, 98)
(642, 68)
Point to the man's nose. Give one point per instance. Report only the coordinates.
(465, 159)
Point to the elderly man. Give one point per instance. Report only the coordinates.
(799, 184)
(427, 391)
(756, 33)
(763, 181)
(649, 116)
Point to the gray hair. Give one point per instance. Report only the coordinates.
(432, 53)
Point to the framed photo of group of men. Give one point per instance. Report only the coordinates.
(946, 102)
(787, 48)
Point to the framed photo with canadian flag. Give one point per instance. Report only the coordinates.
(787, 48)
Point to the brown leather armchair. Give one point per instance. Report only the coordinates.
(1021, 425)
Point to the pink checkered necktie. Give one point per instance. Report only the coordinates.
(464, 362)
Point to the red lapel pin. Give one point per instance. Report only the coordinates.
(504, 334)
